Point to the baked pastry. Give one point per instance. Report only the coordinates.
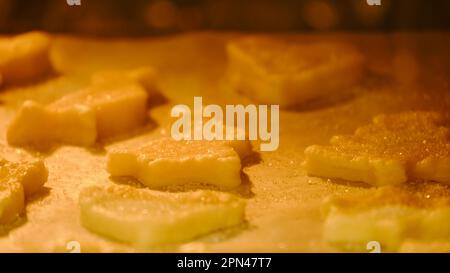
(392, 150)
(24, 57)
(165, 162)
(146, 218)
(288, 72)
(389, 215)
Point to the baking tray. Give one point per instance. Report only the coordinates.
(408, 71)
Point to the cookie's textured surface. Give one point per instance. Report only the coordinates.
(98, 112)
(145, 218)
(390, 216)
(391, 150)
(165, 162)
(24, 57)
(291, 72)
(17, 181)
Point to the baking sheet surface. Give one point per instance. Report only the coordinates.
(283, 211)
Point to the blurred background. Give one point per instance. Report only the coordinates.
(144, 17)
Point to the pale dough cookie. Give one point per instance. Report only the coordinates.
(290, 73)
(145, 218)
(393, 149)
(24, 57)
